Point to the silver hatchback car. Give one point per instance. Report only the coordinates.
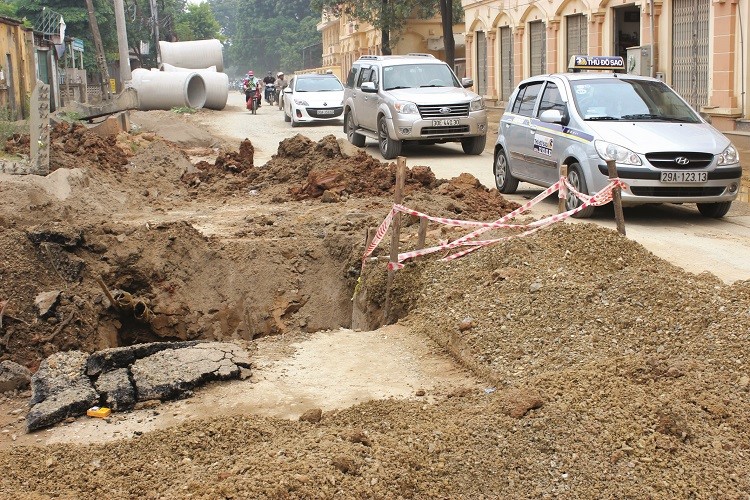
(664, 151)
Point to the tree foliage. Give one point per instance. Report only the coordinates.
(197, 22)
(266, 35)
(176, 21)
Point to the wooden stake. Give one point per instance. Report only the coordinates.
(562, 199)
(616, 198)
(422, 233)
(396, 231)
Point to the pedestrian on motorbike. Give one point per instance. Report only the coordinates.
(268, 83)
(280, 84)
(250, 85)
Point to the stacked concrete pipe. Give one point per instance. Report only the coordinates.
(217, 84)
(159, 90)
(196, 54)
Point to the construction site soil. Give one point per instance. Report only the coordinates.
(606, 372)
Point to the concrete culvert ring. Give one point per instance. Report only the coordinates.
(195, 91)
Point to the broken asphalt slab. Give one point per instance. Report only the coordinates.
(69, 383)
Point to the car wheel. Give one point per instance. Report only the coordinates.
(504, 180)
(714, 210)
(295, 123)
(287, 118)
(353, 137)
(389, 148)
(474, 145)
(575, 177)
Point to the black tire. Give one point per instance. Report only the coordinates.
(353, 137)
(504, 180)
(389, 148)
(255, 106)
(714, 210)
(474, 145)
(575, 177)
(287, 118)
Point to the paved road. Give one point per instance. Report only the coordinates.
(675, 233)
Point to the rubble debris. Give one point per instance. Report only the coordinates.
(69, 383)
(13, 376)
(46, 302)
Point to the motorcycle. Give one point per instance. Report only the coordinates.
(253, 103)
(270, 91)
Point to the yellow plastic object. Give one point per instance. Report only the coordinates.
(98, 412)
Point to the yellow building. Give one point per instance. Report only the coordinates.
(700, 46)
(17, 67)
(346, 39)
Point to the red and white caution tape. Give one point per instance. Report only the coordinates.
(469, 240)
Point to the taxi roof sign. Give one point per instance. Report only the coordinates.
(596, 62)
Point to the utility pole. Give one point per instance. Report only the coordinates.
(122, 45)
(155, 20)
(101, 61)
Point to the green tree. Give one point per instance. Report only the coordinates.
(197, 22)
(269, 35)
(7, 9)
(77, 23)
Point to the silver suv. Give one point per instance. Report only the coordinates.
(415, 97)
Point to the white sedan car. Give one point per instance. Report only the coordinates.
(313, 97)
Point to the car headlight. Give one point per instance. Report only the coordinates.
(301, 102)
(729, 156)
(406, 107)
(477, 104)
(609, 151)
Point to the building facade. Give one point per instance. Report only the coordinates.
(17, 67)
(346, 39)
(699, 46)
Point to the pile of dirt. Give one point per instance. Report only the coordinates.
(303, 170)
(239, 163)
(74, 146)
(610, 374)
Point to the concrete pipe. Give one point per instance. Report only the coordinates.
(170, 68)
(159, 90)
(196, 54)
(217, 84)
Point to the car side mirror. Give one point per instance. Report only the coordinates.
(287, 90)
(467, 82)
(551, 116)
(369, 87)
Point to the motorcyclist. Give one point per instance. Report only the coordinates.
(280, 84)
(249, 85)
(268, 84)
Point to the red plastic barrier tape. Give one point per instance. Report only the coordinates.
(601, 198)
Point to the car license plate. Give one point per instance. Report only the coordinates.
(687, 177)
(449, 122)
(325, 111)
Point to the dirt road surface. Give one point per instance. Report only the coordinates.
(573, 362)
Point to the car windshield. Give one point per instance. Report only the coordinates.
(318, 85)
(409, 76)
(618, 99)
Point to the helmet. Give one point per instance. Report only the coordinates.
(250, 73)
(279, 74)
